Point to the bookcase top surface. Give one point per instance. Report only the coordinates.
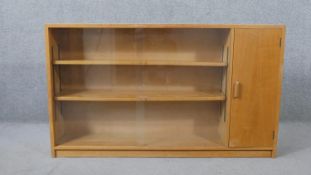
(96, 25)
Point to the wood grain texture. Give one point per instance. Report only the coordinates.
(257, 66)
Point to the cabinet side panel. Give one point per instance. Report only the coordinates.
(50, 87)
(256, 87)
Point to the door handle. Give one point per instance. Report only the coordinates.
(236, 90)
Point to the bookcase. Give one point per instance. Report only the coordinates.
(164, 90)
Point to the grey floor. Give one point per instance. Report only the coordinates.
(24, 149)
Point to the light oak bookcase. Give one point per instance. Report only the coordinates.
(164, 90)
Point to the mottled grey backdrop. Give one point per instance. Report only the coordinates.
(22, 60)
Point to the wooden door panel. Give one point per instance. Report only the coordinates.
(257, 69)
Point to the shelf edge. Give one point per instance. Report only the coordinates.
(151, 63)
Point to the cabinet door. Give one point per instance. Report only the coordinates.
(256, 82)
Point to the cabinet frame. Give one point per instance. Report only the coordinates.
(226, 151)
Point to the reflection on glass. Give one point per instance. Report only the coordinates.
(155, 88)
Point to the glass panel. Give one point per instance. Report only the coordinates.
(144, 46)
(133, 88)
(156, 125)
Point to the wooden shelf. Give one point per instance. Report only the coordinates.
(156, 62)
(138, 95)
(156, 141)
